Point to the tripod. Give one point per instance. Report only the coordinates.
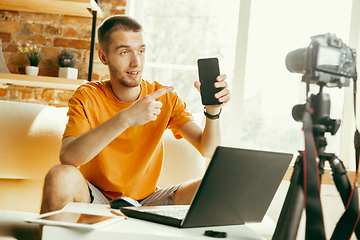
(289, 219)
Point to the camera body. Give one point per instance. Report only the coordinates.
(326, 61)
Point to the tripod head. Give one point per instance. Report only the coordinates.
(320, 115)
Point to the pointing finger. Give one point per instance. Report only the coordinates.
(159, 93)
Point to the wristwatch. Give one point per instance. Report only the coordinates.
(217, 116)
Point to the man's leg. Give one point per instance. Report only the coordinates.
(179, 194)
(63, 184)
(186, 192)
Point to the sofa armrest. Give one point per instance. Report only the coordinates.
(29, 146)
(182, 162)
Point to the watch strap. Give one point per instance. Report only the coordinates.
(217, 116)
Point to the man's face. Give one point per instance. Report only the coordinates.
(126, 57)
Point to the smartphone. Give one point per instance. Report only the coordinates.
(208, 72)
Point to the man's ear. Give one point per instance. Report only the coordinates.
(102, 56)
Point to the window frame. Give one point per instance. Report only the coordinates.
(347, 151)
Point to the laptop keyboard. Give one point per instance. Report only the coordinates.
(174, 213)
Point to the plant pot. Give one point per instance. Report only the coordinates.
(31, 70)
(68, 72)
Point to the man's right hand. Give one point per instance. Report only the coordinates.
(146, 109)
(79, 150)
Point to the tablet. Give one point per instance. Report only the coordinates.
(73, 219)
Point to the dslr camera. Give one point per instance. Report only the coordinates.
(327, 61)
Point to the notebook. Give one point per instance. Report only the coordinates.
(237, 188)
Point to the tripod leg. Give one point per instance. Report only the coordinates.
(290, 216)
(342, 184)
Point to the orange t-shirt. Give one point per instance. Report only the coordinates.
(131, 164)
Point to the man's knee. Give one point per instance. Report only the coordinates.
(63, 184)
(60, 174)
(66, 181)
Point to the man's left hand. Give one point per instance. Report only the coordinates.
(222, 96)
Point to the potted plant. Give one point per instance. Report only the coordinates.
(68, 62)
(34, 55)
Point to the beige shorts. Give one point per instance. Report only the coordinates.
(158, 198)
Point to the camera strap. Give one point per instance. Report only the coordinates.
(311, 186)
(349, 220)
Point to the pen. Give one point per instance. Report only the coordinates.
(117, 213)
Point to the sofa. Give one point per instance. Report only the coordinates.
(29, 146)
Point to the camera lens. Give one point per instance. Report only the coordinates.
(295, 61)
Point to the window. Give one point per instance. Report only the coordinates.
(251, 38)
(271, 90)
(180, 32)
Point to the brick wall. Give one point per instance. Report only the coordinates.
(38, 95)
(52, 33)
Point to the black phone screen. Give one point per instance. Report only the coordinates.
(208, 72)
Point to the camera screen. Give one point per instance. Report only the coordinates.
(328, 58)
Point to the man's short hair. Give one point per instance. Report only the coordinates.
(113, 24)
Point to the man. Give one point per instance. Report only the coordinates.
(112, 142)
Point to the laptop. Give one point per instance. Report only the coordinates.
(237, 188)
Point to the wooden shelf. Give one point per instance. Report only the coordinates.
(40, 81)
(62, 7)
